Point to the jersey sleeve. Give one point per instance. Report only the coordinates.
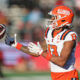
(71, 36)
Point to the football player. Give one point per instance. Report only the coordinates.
(60, 41)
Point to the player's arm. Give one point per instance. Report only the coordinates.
(59, 60)
(26, 50)
(65, 53)
(12, 42)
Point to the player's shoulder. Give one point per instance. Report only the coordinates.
(69, 35)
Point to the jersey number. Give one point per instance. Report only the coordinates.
(73, 36)
(52, 50)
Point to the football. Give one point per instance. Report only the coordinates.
(2, 30)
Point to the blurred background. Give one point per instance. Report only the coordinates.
(27, 18)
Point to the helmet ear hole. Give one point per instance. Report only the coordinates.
(63, 20)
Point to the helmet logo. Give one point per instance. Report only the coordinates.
(62, 11)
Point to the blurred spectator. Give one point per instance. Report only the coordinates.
(59, 2)
(3, 18)
(24, 61)
(14, 15)
(30, 4)
(21, 65)
(24, 19)
(14, 2)
(27, 36)
(37, 34)
(77, 57)
(35, 15)
(77, 7)
(46, 4)
(77, 12)
(77, 29)
(30, 19)
(1, 63)
(77, 3)
(3, 5)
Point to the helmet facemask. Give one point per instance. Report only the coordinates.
(52, 23)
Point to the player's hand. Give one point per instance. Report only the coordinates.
(11, 41)
(36, 49)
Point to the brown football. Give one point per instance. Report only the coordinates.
(2, 30)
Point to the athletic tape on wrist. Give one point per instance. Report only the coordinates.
(18, 46)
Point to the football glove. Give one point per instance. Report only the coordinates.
(11, 41)
(36, 49)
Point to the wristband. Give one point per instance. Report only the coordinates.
(48, 57)
(18, 46)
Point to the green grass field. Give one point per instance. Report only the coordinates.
(29, 76)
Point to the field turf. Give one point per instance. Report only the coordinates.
(29, 76)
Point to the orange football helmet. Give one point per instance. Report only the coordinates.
(64, 16)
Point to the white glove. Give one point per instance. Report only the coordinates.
(36, 49)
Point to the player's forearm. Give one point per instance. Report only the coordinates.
(26, 50)
(64, 55)
(58, 60)
(55, 59)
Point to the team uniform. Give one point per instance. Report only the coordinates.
(55, 45)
